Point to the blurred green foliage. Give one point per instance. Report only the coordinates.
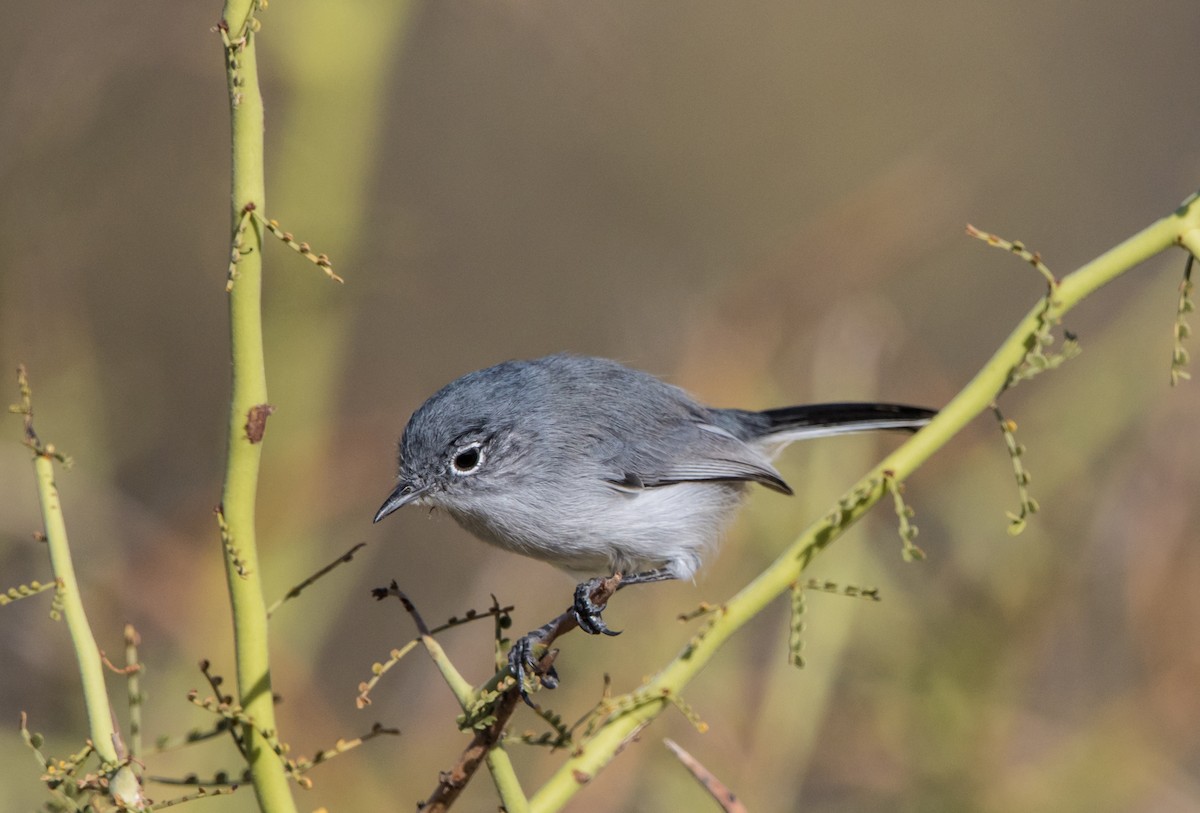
(763, 201)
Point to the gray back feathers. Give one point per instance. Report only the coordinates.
(596, 467)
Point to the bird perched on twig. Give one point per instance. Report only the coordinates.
(601, 469)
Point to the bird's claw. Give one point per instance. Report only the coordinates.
(587, 612)
(524, 660)
(524, 663)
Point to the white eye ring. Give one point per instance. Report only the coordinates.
(467, 459)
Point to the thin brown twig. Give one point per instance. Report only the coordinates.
(128, 669)
(295, 591)
(378, 669)
(214, 682)
(410, 608)
(726, 798)
(452, 783)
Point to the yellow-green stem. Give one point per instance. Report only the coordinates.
(87, 654)
(1181, 227)
(249, 389)
(463, 691)
(505, 778)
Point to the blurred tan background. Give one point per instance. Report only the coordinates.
(761, 201)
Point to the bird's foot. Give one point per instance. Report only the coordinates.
(525, 663)
(587, 612)
(528, 661)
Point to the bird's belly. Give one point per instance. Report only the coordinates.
(608, 530)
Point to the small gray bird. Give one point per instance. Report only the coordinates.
(600, 469)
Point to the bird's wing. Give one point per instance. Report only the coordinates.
(701, 453)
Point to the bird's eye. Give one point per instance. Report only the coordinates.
(468, 459)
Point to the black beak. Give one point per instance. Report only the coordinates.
(402, 496)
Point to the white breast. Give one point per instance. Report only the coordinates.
(608, 530)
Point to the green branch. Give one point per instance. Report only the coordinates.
(248, 409)
(504, 776)
(1180, 228)
(123, 782)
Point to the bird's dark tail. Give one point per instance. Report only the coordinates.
(818, 420)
